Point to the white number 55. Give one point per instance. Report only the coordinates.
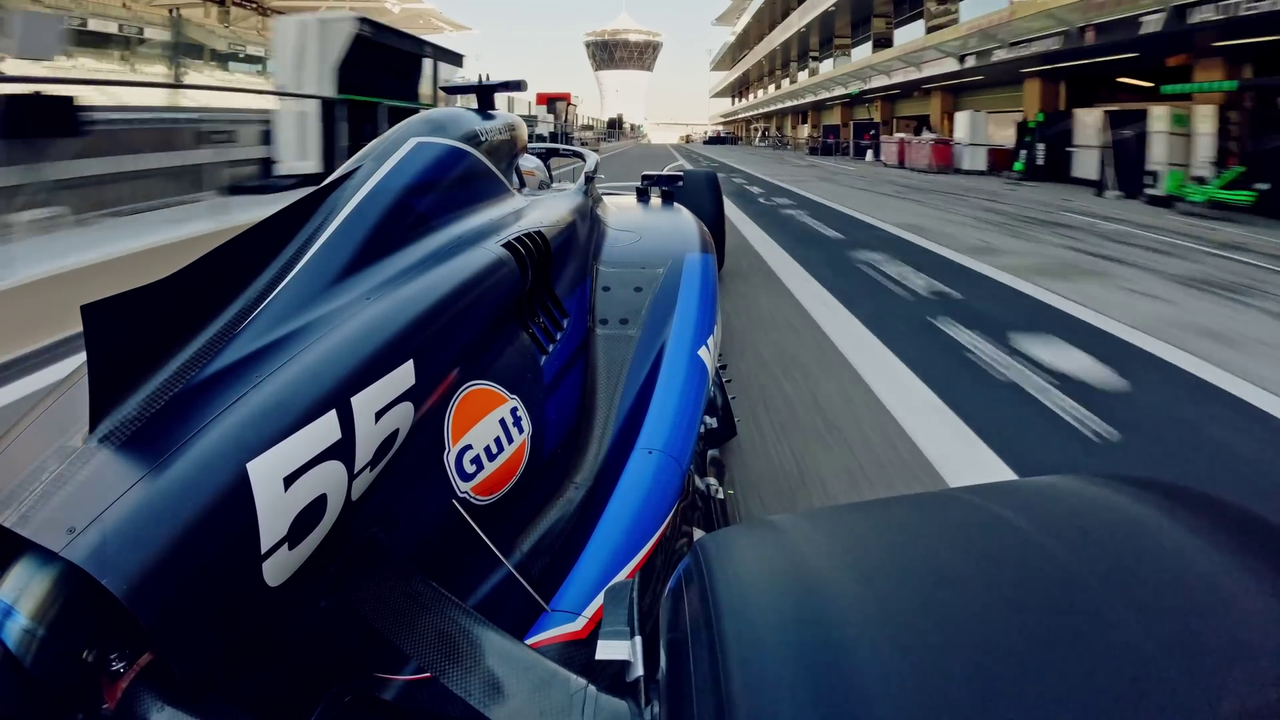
(278, 506)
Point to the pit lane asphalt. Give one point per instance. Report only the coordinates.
(811, 432)
(1041, 385)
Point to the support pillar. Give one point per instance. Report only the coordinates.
(942, 104)
(881, 25)
(882, 112)
(1210, 70)
(1038, 95)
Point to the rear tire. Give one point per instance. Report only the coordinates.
(701, 194)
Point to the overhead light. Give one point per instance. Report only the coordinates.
(1082, 62)
(837, 102)
(887, 92)
(1139, 83)
(1246, 40)
(953, 82)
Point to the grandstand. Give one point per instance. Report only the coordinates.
(219, 45)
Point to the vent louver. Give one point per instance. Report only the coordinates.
(545, 316)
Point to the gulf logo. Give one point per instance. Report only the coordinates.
(486, 432)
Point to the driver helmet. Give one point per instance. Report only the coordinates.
(535, 173)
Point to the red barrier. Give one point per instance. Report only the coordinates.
(892, 151)
(930, 154)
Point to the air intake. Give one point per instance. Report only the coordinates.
(545, 316)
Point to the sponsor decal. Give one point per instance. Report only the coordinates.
(486, 433)
(379, 413)
(1209, 12)
(1028, 48)
(494, 132)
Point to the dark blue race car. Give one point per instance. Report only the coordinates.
(432, 442)
(424, 367)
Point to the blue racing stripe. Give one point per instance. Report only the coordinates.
(653, 479)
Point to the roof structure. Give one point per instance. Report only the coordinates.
(414, 17)
(623, 27)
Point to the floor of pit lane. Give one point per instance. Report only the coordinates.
(811, 433)
(967, 373)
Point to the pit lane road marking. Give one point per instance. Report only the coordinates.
(907, 276)
(1212, 374)
(951, 446)
(805, 218)
(1008, 368)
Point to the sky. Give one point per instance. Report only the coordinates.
(541, 41)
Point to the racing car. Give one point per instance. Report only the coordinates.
(438, 365)
(442, 440)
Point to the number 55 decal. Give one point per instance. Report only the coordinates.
(376, 420)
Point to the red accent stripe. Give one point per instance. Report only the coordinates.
(595, 617)
(578, 634)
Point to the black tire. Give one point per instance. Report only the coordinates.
(701, 194)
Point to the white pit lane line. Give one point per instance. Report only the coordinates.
(1201, 248)
(579, 163)
(958, 454)
(39, 380)
(1202, 369)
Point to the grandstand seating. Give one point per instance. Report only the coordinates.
(143, 66)
(98, 65)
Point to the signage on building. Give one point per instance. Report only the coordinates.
(103, 26)
(1034, 47)
(1152, 23)
(1031, 47)
(236, 47)
(1227, 9)
(115, 28)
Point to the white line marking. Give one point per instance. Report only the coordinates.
(1064, 358)
(1213, 374)
(1179, 218)
(804, 217)
(39, 380)
(959, 455)
(756, 190)
(582, 620)
(908, 276)
(579, 163)
(679, 159)
(1211, 251)
(1010, 369)
(834, 165)
(571, 166)
(885, 281)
